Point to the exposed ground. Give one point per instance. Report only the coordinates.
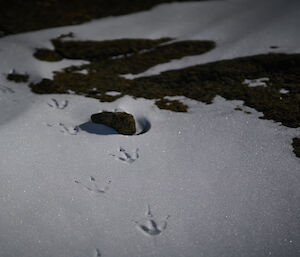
(277, 95)
(228, 78)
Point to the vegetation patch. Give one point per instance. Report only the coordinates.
(18, 78)
(225, 78)
(122, 122)
(110, 59)
(48, 55)
(296, 145)
(172, 105)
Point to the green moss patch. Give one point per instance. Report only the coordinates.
(296, 145)
(18, 78)
(122, 122)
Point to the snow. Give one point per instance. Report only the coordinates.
(283, 91)
(261, 82)
(112, 93)
(210, 182)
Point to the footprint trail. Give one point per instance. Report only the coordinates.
(152, 227)
(5, 90)
(58, 105)
(97, 253)
(93, 186)
(126, 157)
(67, 130)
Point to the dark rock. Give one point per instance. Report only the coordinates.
(122, 122)
(296, 145)
(17, 77)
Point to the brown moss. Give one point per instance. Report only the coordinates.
(103, 71)
(172, 105)
(296, 145)
(48, 55)
(204, 82)
(18, 78)
(201, 82)
(122, 122)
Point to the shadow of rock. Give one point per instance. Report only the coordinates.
(97, 129)
(143, 125)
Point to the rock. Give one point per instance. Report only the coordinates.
(296, 145)
(122, 122)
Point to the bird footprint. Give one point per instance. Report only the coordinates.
(97, 253)
(93, 186)
(58, 105)
(67, 130)
(5, 90)
(152, 227)
(124, 156)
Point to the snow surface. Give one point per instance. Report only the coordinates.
(112, 93)
(261, 82)
(210, 182)
(283, 91)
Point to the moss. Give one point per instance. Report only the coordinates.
(172, 105)
(204, 82)
(99, 50)
(201, 82)
(46, 86)
(16, 77)
(44, 54)
(296, 145)
(41, 14)
(122, 122)
(110, 59)
(104, 70)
